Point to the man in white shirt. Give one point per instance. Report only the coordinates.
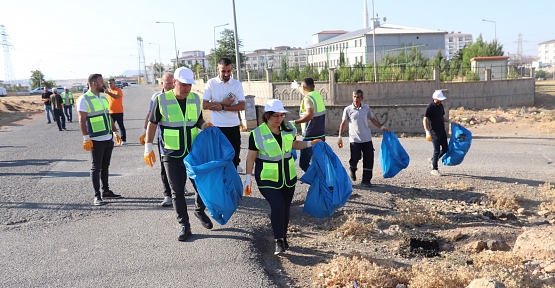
(224, 97)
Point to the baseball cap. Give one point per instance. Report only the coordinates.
(184, 75)
(274, 105)
(438, 95)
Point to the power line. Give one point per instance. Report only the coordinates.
(6, 45)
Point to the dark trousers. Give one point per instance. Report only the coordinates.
(439, 140)
(175, 171)
(60, 119)
(306, 154)
(118, 118)
(68, 110)
(365, 151)
(167, 189)
(101, 154)
(280, 205)
(233, 134)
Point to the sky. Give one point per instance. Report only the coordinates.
(72, 39)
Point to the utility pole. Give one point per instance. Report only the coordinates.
(6, 45)
(141, 49)
(237, 53)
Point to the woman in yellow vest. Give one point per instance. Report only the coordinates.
(270, 146)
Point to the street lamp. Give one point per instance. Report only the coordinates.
(495, 27)
(40, 74)
(374, 43)
(174, 41)
(159, 58)
(237, 54)
(216, 60)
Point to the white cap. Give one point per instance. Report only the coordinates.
(295, 85)
(184, 75)
(65, 88)
(274, 105)
(439, 95)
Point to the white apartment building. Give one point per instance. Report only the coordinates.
(455, 42)
(189, 58)
(261, 59)
(547, 52)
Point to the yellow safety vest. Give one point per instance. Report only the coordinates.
(67, 98)
(98, 120)
(175, 128)
(316, 127)
(275, 166)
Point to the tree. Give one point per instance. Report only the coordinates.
(37, 79)
(158, 69)
(226, 48)
(294, 74)
(480, 48)
(283, 69)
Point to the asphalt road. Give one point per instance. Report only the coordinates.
(51, 235)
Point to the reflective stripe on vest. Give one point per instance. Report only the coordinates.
(173, 123)
(317, 102)
(274, 158)
(98, 122)
(67, 98)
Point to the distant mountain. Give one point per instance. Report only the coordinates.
(129, 73)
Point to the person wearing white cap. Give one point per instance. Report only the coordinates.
(224, 97)
(270, 146)
(67, 100)
(433, 122)
(178, 115)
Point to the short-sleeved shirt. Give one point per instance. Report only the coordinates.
(82, 107)
(116, 105)
(46, 95)
(56, 102)
(217, 90)
(307, 105)
(152, 99)
(359, 132)
(435, 114)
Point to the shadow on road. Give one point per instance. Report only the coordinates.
(34, 162)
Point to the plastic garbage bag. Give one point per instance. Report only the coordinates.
(330, 186)
(393, 157)
(459, 144)
(210, 164)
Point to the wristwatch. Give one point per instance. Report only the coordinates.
(223, 108)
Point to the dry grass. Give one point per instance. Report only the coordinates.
(496, 258)
(354, 229)
(505, 267)
(461, 186)
(504, 200)
(549, 191)
(441, 274)
(412, 213)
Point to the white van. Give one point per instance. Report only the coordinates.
(3, 92)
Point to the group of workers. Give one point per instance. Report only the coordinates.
(176, 113)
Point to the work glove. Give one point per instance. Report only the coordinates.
(118, 138)
(87, 143)
(206, 124)
(311, 143)
(428, 136)
(340, 142)
(295, 85)
(149, 156)
(248, 185)
(142, 138)
(384, 128)
(242, 127)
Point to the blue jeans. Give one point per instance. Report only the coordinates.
(48, 109)
(439, 140)
(306, 154)
(69, 112)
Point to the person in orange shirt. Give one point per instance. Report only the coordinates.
(116, 107)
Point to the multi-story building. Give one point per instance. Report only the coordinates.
(455, 42)
(190, 58)
(547, 52)
(152, 71)
(272, 58)
(357, 46)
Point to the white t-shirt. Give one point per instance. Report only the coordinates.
(82, 107)
(217, 91)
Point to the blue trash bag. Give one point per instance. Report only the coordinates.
(330, 186)
(459, 144)
(393, 157)
(294, 153)
(210, 164)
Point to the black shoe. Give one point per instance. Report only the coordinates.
(60, 130)
(204, 220)
(110, 195)
(353, 176)
(279, 247)
(285, 244)
(366, 184)
(184, 233)
(48, 122)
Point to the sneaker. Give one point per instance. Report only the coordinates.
(239, 169)
(64, 128)
(167, 201)
(366, 184)
(353, 176)
(184, 233)
(98, 201)
(435, 172)
(110, 195)
(279, 247)
(188, 193)
(204, 220)
(123, 142)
